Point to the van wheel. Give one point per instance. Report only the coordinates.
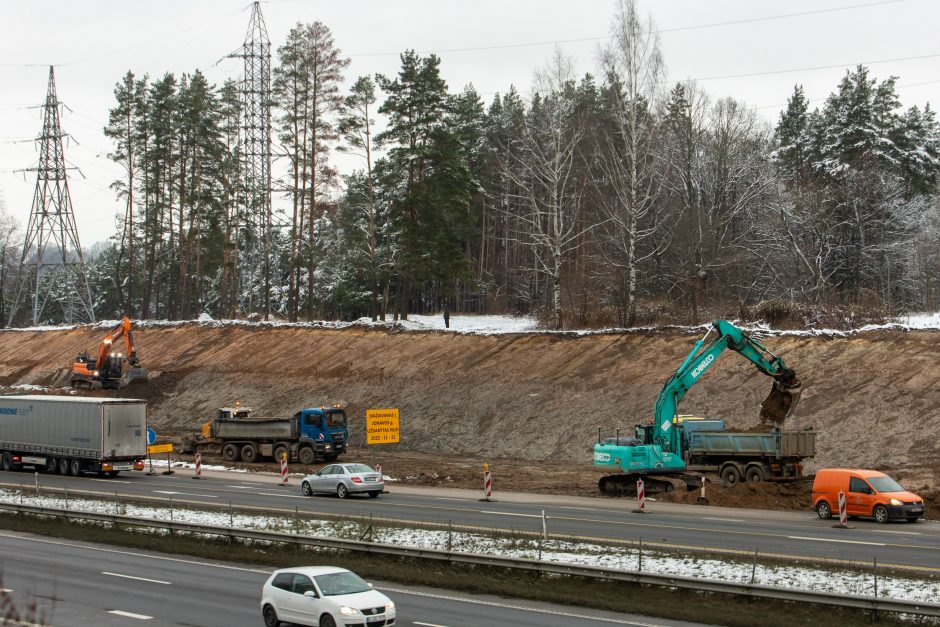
(880, 513)
(270, 617)
(824, 511)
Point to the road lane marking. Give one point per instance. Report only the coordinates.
(208, 496)
(835, 540)
(903, 533)
(130, 615)
(290, 496)
(6, 590)
(165, 583)
(112, 480)
(536, 610)
(740, 520)
(483, 511)
(427, 624)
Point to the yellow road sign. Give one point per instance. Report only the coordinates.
(160, 448)
(382, 426)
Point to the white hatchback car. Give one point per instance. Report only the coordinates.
(323, 596)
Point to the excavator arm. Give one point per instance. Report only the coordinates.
(109, 368)
(778, 405)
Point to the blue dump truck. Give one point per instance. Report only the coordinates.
(310, 434)
(669, 448)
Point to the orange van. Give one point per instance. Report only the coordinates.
(867, 493)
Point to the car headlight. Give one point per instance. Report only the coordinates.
(389, 606)
(345, 610)
(895, 502)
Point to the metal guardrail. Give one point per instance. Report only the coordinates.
(876, 604)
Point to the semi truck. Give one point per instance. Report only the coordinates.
(310, 434)
(71, 436)
(668, 448)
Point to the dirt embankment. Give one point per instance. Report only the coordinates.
(538, 399)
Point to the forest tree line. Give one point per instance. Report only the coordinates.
(609, 198)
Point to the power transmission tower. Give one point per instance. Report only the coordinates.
(52, 266)
(256, 157)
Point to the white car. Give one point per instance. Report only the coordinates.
(343, 480)
(323, 596)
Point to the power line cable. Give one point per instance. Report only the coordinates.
(661, 30)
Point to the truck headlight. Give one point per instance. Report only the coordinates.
(345, 610)
(896, 502)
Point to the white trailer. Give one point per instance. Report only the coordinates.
(72, 435)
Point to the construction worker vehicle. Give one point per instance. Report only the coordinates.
(671, 450)
(310, 434)
(109, 369)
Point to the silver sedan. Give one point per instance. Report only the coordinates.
(343, 480)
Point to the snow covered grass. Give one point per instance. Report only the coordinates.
(499, 324)
(842, 580)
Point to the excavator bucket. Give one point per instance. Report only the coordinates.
(782, 400)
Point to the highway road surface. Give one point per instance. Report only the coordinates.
(773, 533)
(76, 584)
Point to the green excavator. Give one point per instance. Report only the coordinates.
(664, 448)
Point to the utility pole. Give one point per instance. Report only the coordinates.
(256, 153)
(51, 265)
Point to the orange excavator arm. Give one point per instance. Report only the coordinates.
(106, 346)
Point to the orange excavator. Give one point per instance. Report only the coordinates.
(109, 369)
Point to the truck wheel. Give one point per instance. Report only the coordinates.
(823, 510)
(52, 464)
(249, 453)
(230, 453)
(63, 466)
(280, 451)
(754, 474)
(6, 461)
(307, 455)
(75, 467)
(730, 475)
(880, 513)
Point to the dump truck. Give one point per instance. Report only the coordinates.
(310, 434)
(71, 436)
(668, 449)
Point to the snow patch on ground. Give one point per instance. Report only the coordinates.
(499, 324)
(626, 558)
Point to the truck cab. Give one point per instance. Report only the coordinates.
(326, 427)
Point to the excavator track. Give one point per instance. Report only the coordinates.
(625, 484)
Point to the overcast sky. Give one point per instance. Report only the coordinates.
(753, 51)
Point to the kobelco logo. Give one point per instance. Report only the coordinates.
(702, 366)
(602, 457)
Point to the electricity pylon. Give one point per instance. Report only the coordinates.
(51, 265)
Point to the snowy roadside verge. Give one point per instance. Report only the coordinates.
(829, 579)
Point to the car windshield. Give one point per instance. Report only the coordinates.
(885, 484)
(336, 419)
(353, 468)
(340, 583)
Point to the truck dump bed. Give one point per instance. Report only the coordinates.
(100, 428)
(781, 444)
(258, 428)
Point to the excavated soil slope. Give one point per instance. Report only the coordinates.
(874, 398)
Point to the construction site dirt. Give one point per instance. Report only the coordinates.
(530, 404)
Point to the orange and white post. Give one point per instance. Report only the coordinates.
(283, 469)
(640, 498)
(842, 511)
(487, 484)
(198, 474)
